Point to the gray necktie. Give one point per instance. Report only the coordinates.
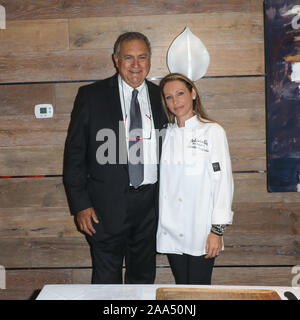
(136, 159)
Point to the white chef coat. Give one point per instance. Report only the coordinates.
(196, 186)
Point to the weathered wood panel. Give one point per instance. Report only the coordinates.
(36, 225)
(28, 138)
(42, 160)
(251, 187)
(18, 294)
(262, 234)
(255, 276)
(20, 161)
(35, 36)
(33, 9)
(55, 66)
(97, 64)
(35, 146)
(26, 284)
(239, 276)
(263, 225)
(240, 124)
(49, 192)
(259, 276)
(48, 237)
(37, 278)
(21, 99)
(45, 252)
(41, 152)
(32, 192)
(213, 29)
(253, 225)
(31, 222)
(27, 161)
(92, 39)
(74, 252)
(217, 95)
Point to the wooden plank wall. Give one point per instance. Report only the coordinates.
(48, 49)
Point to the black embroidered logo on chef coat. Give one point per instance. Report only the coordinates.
(199, 144)
(216, 166)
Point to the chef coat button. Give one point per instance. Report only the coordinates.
(165, 233)
(180, 235)
(179, 199)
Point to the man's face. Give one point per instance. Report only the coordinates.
(134, 62)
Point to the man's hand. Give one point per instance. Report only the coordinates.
(213, 245)
(84, 220)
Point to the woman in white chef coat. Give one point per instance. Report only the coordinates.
(196, 185)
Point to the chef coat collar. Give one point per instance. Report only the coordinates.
(190, 123)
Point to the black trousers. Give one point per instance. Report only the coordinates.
(189, 269)
(136, 243)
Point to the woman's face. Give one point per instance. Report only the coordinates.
(179, 99)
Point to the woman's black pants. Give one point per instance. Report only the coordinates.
(189, 269)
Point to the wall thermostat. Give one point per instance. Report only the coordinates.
(43, 111)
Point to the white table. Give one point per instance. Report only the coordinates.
(130, 292)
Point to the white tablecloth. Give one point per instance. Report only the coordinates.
(130, 292)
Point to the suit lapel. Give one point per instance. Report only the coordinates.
(155, 106)
(114, 103)
(115, 112)
(158, 115)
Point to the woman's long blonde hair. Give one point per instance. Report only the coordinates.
(197, 105)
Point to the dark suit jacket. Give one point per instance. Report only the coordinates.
(88, 184)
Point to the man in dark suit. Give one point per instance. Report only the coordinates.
(118, 216)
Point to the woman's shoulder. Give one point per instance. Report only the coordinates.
(211, 125)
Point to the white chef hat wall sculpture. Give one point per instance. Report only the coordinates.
(188, 55)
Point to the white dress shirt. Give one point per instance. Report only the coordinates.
(196, 186)
(149, 145)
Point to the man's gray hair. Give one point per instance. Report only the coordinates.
(130, 36)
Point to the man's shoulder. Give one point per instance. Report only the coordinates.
(152, 85)
(99, 84)
(154, 89)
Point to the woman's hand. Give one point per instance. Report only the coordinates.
(213, 245)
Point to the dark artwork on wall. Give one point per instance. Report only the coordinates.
(282, 43)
